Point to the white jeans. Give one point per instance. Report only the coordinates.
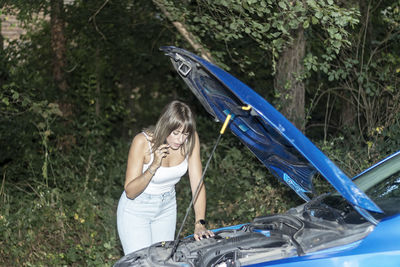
(146, 220)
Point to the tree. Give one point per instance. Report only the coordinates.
(374, 82)
(363, 77)
(29, 13)
(182, 29)
(58, 44)
(1, 39)
(289, 83)
(276, 29)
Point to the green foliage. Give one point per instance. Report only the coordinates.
(30, 123)
(364, 75)
(57, 199)
(112, 65)
(386, 140)
(71, 223)
(270, 25)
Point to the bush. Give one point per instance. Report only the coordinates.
(61, 181)
(69, 222)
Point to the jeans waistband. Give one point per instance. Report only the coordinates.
(162, 195)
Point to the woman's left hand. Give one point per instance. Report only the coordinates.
(201, 232)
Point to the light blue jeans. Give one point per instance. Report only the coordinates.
(146, 220)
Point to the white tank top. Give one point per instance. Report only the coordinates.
(165, 178)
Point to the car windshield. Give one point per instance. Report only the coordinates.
(382, 184)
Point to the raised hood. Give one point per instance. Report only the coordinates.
(276, 142)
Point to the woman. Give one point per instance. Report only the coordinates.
(158, 158)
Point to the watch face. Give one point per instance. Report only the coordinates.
(203, 222)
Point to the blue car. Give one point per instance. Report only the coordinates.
(357, 225)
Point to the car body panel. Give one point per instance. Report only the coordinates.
(276, 142)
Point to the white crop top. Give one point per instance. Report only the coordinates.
(165, 178)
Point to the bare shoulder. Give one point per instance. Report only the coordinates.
(196, 149)
(139, 142)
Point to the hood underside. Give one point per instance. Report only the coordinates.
(276, 142)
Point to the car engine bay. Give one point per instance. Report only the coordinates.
(308, 228)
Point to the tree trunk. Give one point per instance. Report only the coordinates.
(58, 43)
(288, 82)
(182, 29)
(2, 78)
(1, 39)
(348, 114)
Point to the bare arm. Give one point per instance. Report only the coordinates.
(136, 181)
(195, 174)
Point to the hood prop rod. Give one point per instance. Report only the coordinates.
(176, 242)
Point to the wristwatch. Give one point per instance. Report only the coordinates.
(201, 221)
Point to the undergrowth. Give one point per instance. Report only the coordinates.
(59, 208)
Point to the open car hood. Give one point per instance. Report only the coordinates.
(276, 142)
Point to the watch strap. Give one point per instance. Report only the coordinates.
(201, 221)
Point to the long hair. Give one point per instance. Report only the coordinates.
(176, 114)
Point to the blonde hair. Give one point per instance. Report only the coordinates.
(176, 114)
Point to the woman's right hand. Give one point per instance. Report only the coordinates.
(160, 153)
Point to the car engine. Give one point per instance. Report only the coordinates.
(301, 230)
